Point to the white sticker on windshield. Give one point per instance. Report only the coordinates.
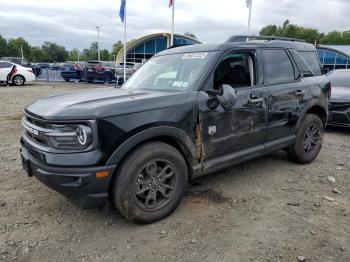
(195, 56)
(180, 84)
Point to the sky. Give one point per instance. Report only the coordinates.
(72, 22)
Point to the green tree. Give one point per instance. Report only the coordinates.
(105, 55)
(287, 29)
(14, 47)
(74, 55)
(54, 53)
(332, 38)
(37, 55)
(3, 47)
(270, 30)
(116, 48)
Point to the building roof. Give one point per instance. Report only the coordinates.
(133, 43)
(342, 48)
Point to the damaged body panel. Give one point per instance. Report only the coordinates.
(187, 112)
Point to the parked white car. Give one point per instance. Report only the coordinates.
(15, 74)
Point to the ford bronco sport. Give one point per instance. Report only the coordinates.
(187, 112)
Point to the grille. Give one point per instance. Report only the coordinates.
(34, 130)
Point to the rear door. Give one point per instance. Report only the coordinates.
(280, 78)
(5, 69)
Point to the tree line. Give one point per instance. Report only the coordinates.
(52, 52)
(310, 35)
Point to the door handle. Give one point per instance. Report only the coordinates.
(299, 92)
(256, 100)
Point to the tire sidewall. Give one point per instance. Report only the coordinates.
(300, 154)
(123, 188)
(16, 76)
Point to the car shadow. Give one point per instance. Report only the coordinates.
(338, 130)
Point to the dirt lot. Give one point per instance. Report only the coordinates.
(266, 210)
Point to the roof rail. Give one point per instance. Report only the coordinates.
(246, 38)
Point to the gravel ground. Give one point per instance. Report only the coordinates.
(269, 209)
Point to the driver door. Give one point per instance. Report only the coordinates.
(242, 129)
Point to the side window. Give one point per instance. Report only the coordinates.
(236, 70)
(5, 65)
(312, 60)
(278, 67)
(301, 64)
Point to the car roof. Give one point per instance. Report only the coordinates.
(255, 44)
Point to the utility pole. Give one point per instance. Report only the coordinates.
(172, 22)
(98, 43)
(22, 52)
(250, 5)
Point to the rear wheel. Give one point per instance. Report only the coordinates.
(150, 183)
(308, 141)
(18, 80)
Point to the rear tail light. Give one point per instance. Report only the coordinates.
(30, 70)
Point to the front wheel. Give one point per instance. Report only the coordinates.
(18, 80)
(308, 141)
(150, 183)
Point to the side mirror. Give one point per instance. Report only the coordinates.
(226, 97)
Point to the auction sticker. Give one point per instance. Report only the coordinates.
(195, 56)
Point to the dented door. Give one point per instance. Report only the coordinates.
(224, 132)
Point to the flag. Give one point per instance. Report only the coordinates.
(122, 10)
(248, 2)
(171, 3)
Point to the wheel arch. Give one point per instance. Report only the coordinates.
(24, 78)
(169, 135)
(319, 111)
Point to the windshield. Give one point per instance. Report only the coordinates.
(169, 72)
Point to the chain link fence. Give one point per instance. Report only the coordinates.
(75, 72)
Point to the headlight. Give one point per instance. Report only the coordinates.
(70, 136)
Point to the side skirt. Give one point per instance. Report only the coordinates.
(221, 162)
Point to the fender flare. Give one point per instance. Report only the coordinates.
(306, 109)
(177, 134)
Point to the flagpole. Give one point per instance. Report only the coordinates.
(172, 24)
(250, 14)
(124, 40)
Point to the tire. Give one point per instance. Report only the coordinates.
(18, 80)
(308, 141)
(150, 183)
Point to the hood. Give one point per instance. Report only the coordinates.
(102, 102)
(340, 95)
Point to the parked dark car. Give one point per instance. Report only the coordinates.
(72, 71)
(55, 67)
(119, 73)
(100, 71)
(339, 105)
(189, 111)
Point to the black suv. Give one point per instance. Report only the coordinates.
(187, 112)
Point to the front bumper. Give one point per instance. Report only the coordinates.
(339, 117)
(80, 185)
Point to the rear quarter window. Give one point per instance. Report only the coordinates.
(278, 67)
(312, 60)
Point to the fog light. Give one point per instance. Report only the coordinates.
(102, 174)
